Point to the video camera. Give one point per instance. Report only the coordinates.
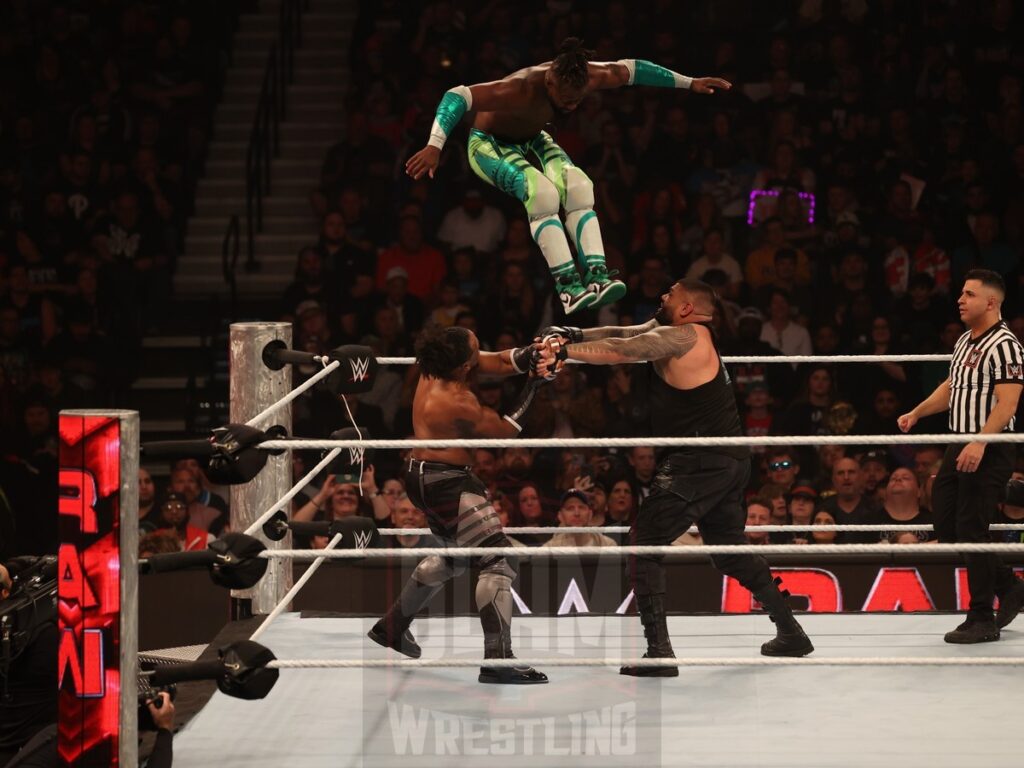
(31, 606)
(153, 694)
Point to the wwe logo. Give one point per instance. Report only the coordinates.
(360, 368)
(355, 455)
(1014, 370)
(362, 539)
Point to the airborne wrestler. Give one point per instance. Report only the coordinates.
(508, 120)
(440, 483)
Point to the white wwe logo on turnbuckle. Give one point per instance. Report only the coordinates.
(362, 539)
(360, 368)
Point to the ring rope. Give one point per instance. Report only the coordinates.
(651, 550)
(298, 585)
(283, 501)
(272, 409)
(767, 359)
(725, 661)
(299, 444)
(866, 528)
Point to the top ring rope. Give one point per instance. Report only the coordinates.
(552, 530)
(769, 359)
(298, 444)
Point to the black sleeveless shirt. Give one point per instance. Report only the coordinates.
(705, 411)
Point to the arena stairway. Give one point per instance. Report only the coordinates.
(314, 121)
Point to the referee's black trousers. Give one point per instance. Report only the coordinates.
(706, 489)
(964, 504)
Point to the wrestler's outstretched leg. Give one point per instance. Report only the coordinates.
(576, 193)
(505, 166)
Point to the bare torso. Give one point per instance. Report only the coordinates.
(517, 107)
(527, 119)
(435, 410)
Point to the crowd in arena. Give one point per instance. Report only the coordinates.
(867, 156)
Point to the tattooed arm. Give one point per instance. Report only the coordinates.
(618, 331)
(658, 343)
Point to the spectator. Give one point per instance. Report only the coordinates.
(783, 466)
(406, 515)
(185, 483)
(643, 464)
(449, 306)
(309, 284)
(173, 517)
(409, 310)
(758, 513)
(473, 224)
(575, 512)
(780, 331)
(623, 502)
(802, 500)
(424, 264)
(714, 256)
(757, 415)
(823, 517)
(848, 505)
(147, 502)
(1011, 511)
(338, 498)
(902, 507)
(875, 465)
(760, 268)
(485, 465)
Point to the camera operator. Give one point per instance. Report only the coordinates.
(161, 709)
(28, 695)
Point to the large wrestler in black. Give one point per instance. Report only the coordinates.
(691, 396)
(455, 501)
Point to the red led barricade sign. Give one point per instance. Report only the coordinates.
(89, 591)
(819, 587)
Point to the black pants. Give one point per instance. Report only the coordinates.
(964, 504)
(706, 489)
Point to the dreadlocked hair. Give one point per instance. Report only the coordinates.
(439, 351)
(571, 63)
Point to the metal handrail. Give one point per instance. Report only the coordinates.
(271, 109)
(229, 248)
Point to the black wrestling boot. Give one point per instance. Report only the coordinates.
(1010, 604)
(498, 645)
(790, 639)
(975, 629)
(659, 646)
(393, 632)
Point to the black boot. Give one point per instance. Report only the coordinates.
(1010, 604)
(392, 631)
(980, 628)
(790, 639)
(659, 646)
(498, 645)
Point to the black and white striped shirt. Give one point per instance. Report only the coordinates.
(995, 357)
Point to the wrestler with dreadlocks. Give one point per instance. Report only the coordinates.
(508, 117)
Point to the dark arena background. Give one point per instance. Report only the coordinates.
(226, 226)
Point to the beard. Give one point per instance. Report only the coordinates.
(662, 316)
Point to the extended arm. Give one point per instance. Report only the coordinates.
(615, 74)
(656, 344)
(473, 420)
(507, 362)
(508, 93)
(936, 402)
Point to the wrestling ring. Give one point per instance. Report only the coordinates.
(879, 690)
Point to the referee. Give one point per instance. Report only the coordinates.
(981, 393)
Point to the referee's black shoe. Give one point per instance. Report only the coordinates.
(1010, 604)
(975, 629)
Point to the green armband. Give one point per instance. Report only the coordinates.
(643, 72)
(455, 103)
